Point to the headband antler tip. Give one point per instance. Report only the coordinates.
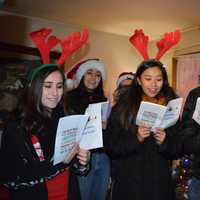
(167, 42)
(140, 41)
(69, 44)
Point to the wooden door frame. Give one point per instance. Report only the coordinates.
(174, 72)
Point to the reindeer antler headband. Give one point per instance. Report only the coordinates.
(140, 41)
(44, 42)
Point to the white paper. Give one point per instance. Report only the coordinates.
(172, 113)
(159, 116)
(150, 114)
(92, 135)
(69, 132)
(196, 114)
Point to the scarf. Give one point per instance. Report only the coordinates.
(161, 100)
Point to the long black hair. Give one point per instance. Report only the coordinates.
(128, 104)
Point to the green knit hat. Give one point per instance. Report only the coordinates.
(36, 71)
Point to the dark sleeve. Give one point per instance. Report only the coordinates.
(172, 147)
(74, 190)
(190, 128)
(118, 141)
(78, 169)
(20, 165)
(8, 154)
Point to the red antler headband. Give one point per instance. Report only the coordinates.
(140, 41)
(45, 43)
(69, 44)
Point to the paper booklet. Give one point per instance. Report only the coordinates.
(92, 136)
(196, 114)
(159, 116)
(83, 129)
(69, 132)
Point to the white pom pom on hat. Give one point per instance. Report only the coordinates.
(75, 74)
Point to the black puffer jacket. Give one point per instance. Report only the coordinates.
(79, 99)
(191, 130)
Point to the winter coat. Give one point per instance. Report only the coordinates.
(142, 171)
(191, 131)
(79, 99)
(22, 171)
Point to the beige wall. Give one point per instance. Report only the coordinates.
(190, 42)
(114, 50)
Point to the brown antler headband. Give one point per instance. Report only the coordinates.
(140, 41)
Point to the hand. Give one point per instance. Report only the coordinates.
(83, 156)
(159, 136)
(75, 150)
(143, 133)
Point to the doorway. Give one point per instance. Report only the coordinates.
(186, 74)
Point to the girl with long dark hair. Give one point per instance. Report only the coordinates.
(141, 158)
(90, 75)
(28, 142)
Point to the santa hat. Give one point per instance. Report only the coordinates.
(75, 74)
(124, 76)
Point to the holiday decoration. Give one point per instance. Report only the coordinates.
(182, 174)
(140, 41)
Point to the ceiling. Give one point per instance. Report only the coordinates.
(114, 16)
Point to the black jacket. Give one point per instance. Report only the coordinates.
(191, 130)
(79, 99)
(22, 171)
(141, 170)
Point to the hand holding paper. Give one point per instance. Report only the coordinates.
(69, 133)
(73, 152)
(143, 133)
(85, 130)
(159, 116)
(83, 156)
(159, 136)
